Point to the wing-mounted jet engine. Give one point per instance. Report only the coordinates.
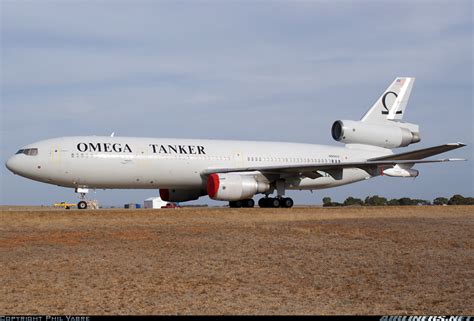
(233, 187)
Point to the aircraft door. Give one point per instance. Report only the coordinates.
(55, 155)
(238, 159)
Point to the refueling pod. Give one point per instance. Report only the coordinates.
(401, 172)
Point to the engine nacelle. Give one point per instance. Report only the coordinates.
(180, 195)
(400, 172)
(381, 135)
(234, 187)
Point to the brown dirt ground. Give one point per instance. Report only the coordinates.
(392, 260)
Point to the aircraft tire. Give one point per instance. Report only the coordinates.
(287, 202)
(82, 205)
(235, 204)
(263, 202)
(248, 203)
(275, 202)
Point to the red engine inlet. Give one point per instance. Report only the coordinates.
(212, 185)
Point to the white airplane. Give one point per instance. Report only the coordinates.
(234, 171)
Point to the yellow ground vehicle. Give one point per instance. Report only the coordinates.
(65, 205)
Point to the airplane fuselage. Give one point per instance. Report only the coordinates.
(105, 162)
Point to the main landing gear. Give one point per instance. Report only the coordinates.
(265, 202)
(279, 201)
(270, 202)
(242, 203)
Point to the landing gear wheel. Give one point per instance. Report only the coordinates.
(82, 205)
(248, 203)
(275, 202)
(287, 202)
(263, 202)
(235, 204)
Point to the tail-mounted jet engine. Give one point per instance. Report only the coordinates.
(234, 187)
(386, 135)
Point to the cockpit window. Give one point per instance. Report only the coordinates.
(32, 152)
(28, 151)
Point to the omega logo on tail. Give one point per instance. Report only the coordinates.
(386, 111)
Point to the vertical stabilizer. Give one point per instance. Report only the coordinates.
(391, 105)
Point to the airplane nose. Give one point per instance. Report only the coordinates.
(10, 164)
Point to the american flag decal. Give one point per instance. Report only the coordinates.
(400, 81)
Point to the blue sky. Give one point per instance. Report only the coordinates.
(253, 70)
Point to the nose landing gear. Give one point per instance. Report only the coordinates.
(82, 205)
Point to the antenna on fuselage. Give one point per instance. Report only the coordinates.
(112, 135)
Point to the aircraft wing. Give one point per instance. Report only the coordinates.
(324, 166)
(372, 166)
(421, 153)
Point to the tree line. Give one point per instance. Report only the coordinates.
(382, 201)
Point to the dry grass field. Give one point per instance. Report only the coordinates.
(392, 260)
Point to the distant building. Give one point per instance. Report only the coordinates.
(132, 205)
(154, 202)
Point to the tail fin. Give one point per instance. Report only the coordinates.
(391, 105)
